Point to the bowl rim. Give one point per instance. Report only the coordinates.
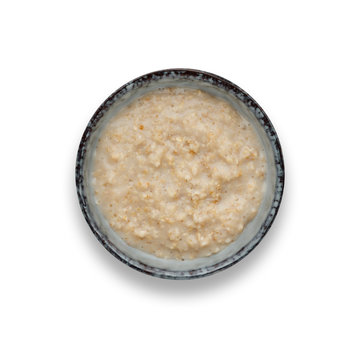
(251, 104)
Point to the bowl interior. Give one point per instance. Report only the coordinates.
(252, 233)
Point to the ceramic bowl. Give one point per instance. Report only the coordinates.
(253, 232)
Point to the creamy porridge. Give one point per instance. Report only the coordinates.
(179, 173)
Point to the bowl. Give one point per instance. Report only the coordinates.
(253, 232)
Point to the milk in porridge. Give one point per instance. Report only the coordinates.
(179, 173)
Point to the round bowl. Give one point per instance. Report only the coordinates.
(253, 232)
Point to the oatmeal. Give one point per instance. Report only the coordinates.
(179, 173)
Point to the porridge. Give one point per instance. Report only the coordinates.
(179, 173)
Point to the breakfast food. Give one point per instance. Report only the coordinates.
(178, 173)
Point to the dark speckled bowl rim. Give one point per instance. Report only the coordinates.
(263, 119)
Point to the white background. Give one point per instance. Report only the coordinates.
(63, 296)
